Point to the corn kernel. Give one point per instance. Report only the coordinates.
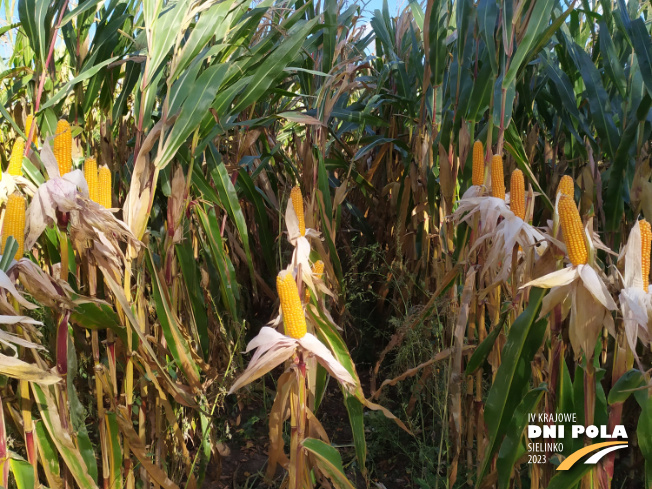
(294, 318)
(317, 272)
(62, 146)
(28, 127)
(104, 187)
(517, 194)
(497, 177)
(15, 167)
(566, 186)
(572, 230)
(90, 173)
(14, 223)
(646, 244)
(297, 204)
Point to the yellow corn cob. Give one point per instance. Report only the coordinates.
(293, 315)
(28, 126)
(646, 244)
(104, 187)
(318, 268)
(517, 194)
(317, 272)
(297, 203)
(90, 172)
(566, 186)
(14, 223)
(478, 164)
(62, 146)
(571, 228)
(497, 177)
(15, 167)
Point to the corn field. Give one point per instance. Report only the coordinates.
(319, 243)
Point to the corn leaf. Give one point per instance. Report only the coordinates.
(513, 375)
(254, 195)
(568, 479)
(625, 386)
(539, 20)
(62, 439)
(230, 202)
(269, 71)
(643, 48)
(512, 447)
(33, 15)
(329, 461)
(115, 450)
(176, 340)
(598, 101)
(47, 452)
(137, 446)
(67, 88)
(193, 289)
(644, 436)
(18, 369)
(23, 473)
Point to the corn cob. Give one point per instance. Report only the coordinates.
(104, 187)
(14, 223)
(297, 203)
(90, 172)
(566, 186)
(497, 177)
(294, 318)
(62, 146)
(28, 127)
(317, 272)
(478, 164)
(15, 167)
(646, 244)
(572, 230)
(517, 194)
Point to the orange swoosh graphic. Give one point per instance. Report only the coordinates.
(575, 456)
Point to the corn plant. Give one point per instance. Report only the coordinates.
(495, 153)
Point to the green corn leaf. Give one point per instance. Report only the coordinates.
(115, 449)
(513, 375)
(23, 473)
(222, 263)
(621, 390)
(176, 340)
(230, 202)
(62, 439)
(329, 461)
(512, 446)
(643, 48)
(33, 15)
(189, 271)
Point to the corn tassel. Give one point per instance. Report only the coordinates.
(62, 146)
(646, 244)
(572, 230)
(90, 172)
(104, 187)
(317, 272)
(497, 177)
(293, 315)
(15, 167)
(478, 164)
(517, 194)
(297, 203)
(566, 186)
(14, 223)
(28, 126)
